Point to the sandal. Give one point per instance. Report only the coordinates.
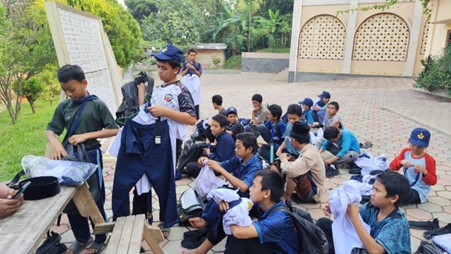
(185, 251)
(164, 231)
(95, 248)
(76, 247)
(366, 145)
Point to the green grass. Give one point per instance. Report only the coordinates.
(233, 63)
(275, 50)
(24, 138)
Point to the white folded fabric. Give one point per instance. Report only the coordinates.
(343, 230)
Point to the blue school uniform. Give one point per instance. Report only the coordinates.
(307, 117)
(225, 148)
(277, 230)
(139, 154)
(246, 172)
(320, 114)
(277, 130)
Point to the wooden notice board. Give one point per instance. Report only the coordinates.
(79, 39)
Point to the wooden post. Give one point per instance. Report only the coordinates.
(86, 205)
(153, 237)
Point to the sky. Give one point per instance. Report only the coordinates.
(121, 2)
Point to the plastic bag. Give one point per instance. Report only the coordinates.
(71, 173)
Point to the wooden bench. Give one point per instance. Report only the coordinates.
(128, 233)
(23, 232)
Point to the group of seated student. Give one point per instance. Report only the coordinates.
(305, 167)
(274, 232)
(240, 172)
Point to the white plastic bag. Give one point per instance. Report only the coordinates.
(71, 173)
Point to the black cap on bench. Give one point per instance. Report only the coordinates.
(41, 187)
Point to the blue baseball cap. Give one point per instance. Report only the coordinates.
(307, 102)
(169, 52)
(232, 110)
(420, 137)
(325, 94)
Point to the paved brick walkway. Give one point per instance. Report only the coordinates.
(381, 110)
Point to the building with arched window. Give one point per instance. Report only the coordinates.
(327, 45)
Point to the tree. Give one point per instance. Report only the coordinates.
(51, 84)
(5, 76)
(26, 49)
(242, 25)
(141, 8)
(44, 85)
(248, 9)
(283, 6)
(122, 29)
(229, 28)
(30, 89)
(209, 11)
(275, 27)
(175, 22)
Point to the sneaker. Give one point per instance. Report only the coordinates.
(366, 145)
(332, 171)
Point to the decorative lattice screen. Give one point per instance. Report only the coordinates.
(382, 37)
(322, 37)
(424, 40)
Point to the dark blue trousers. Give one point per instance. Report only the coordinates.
(139, 154)
(80, 224)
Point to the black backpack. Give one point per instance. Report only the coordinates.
(191, 152)
(188, 207)
(52, 245)
(312, 239)
(427, 247)
(129, 106)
